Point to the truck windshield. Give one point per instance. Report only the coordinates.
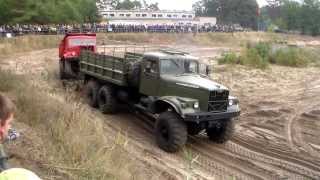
(170, 66)
(81, 42)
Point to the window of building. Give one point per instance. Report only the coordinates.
(184, 16)
(154, 15)
(121, 15)
(160, 15)
(169, 15)
(128, 15)
(144, 15)
(112, 15)
(138, 15)
(190, 16)
(175, 15)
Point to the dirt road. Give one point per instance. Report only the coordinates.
(277, 135)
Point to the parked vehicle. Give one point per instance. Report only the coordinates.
(69, 52)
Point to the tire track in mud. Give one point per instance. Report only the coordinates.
(232, 160)
(293, 130)
(207, 167)
(228, 165)
(216, 164)
(251, 149)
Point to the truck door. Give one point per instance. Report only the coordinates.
(149, 83)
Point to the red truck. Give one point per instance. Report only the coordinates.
(69, 52)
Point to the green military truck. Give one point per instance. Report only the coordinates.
(171, 86)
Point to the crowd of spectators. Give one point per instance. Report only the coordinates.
(16, 30)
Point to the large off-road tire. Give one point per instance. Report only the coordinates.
(194, 129)
(107, 100)
(221, 133)
(170, 131)
(91, 93)
(62, 73)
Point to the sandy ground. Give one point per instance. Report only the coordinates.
(277, 135)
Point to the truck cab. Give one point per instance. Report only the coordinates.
(69, 52)
(177, 81)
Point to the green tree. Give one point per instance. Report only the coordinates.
(310, 13)
(48, 11)
(243, 12)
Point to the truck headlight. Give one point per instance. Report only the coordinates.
(233, 102)
(196, 105)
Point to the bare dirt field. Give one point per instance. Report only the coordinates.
(277, 135)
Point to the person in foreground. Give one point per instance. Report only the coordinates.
(7, 109)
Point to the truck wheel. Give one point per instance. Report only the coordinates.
(171, 132)
(91, 93)
(106, 100)
(62, 74)
(222, 133)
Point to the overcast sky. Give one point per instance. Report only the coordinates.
(184, 4)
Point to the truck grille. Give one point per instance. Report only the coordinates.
(218, 101)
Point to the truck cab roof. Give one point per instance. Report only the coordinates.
(169, 54)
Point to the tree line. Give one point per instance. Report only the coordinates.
(290, 15)
(287, 15)
(48, 11)
(243, 12)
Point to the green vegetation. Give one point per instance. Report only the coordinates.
(262, 54)
(243, 12)
(292, 15)
(49, 11)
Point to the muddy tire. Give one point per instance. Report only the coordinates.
(170, 131)
(62, 74)
(222, 133)
(106, 100)
(91, 93)
(194, 129)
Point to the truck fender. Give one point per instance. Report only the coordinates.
(163, 104)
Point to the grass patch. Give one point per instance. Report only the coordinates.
(27, 43)
(75, 145)
(292, 57)
(262, 54)
(209, 39)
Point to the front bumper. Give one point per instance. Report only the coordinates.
(232, 112)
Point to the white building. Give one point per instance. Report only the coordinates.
(147, 16)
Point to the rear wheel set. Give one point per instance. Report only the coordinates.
(101, 97)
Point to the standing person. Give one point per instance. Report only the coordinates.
(7, 110)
